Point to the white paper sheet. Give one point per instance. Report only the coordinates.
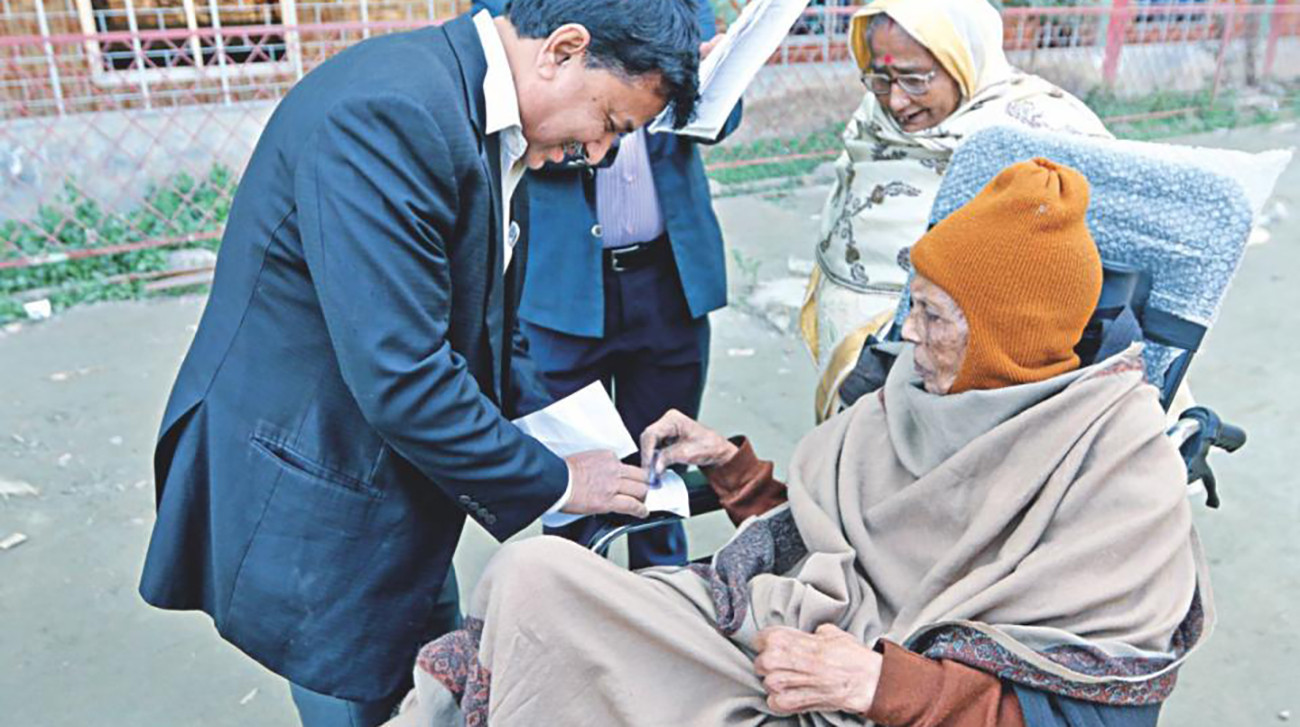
(729, 69)
(669, 495)
(582, 421)
(587, 420)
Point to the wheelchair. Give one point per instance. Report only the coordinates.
(1171, 236)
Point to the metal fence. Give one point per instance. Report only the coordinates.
(1131, 60)
(122, 137)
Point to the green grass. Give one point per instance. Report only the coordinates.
(182, 205)
(1227, 112)
(824, 142)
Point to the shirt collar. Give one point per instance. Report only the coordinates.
(499, 92)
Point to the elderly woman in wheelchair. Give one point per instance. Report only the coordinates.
(997, 536)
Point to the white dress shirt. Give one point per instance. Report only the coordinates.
(502, 102)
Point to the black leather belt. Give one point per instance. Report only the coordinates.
(635, 257)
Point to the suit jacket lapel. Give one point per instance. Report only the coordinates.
(496, 298)
(463, 38)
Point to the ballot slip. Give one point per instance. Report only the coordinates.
(727, 71)
(587, 420)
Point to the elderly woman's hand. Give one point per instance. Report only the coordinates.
(679, 439)
(825, 671)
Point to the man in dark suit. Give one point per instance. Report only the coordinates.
(638, 251)
(346, 399)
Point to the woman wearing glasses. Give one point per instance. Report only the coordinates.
(934, 72)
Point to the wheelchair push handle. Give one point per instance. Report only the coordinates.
(1198, 431)
(1231, 438)
(1201, 427)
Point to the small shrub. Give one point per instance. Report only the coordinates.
(181, 205)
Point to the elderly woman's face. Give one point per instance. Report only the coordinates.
(894, 53)
(938, 327)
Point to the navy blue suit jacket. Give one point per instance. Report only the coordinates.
(565, 252)
(340, 408)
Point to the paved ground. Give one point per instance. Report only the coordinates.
(80, 398)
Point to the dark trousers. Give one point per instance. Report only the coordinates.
(321, 710)
(654, 357)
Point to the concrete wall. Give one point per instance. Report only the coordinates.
(114, 156)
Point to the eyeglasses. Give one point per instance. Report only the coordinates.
(913, 84)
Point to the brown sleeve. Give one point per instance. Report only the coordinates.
(745, 484)
(918, 692)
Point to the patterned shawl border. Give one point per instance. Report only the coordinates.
(770, 544)
(1130, 359)
(453, 661)
(976, 648)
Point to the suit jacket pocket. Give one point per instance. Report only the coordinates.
(309, 562)
(290, 458)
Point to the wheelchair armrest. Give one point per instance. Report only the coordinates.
(702, 498)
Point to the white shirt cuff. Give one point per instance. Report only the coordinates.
(564, 499)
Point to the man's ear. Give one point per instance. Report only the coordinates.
(568, 43)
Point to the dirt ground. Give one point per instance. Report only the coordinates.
(81, 396)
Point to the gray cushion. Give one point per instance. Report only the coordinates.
(1185, 225)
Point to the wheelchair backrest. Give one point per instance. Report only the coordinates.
(1177, 228)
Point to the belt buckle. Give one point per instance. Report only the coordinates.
(614, 264)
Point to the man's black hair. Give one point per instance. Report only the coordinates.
(629, 37)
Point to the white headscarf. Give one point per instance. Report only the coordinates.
(887, 178)
(965, 36)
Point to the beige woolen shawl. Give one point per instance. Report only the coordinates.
(1046, 524)
(1039, 532)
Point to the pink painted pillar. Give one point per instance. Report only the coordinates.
(1275, 23)
(1115, 31)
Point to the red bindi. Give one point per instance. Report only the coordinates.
(888, 59)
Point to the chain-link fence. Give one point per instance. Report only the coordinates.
(124, 124)
(1133, 62)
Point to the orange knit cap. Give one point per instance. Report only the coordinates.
(1020, 263)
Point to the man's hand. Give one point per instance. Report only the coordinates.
(825, 671)
(707, 46)
(603, 484)
(679, 439)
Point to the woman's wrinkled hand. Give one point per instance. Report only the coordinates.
(826, 671)
(679, 439)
